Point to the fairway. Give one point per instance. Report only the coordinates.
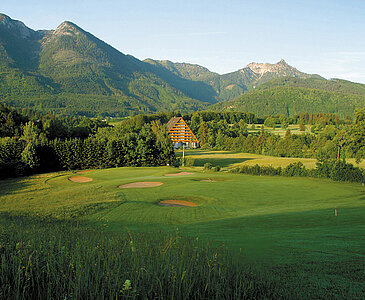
(278, 222)
(230, 159)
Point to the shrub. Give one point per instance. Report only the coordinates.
(295, 169)
(189, 161)
(216, 168)
(339, 170)
(208, 166)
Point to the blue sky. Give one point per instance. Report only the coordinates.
(323, 37)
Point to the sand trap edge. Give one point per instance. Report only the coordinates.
(176, 203)
(80, 179)
(179, 174)
(140, 184)
(84, 171)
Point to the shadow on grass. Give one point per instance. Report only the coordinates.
(211, 157)
(222, 162)
(12, 186)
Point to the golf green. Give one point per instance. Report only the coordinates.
(277, 221)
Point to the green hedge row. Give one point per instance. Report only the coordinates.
(337, 170)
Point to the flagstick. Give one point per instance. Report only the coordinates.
(183, 162)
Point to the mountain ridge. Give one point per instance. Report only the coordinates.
(230, 85)
(70, 71)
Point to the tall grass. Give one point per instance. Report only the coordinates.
(48, 259)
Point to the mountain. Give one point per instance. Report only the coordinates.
(332, 85)
(70, 71)
(184, 70)
(229, 86)
(292, 100)
(294, 95)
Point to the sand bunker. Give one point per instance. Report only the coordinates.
(180, 174)
(176, 203)
(142, 184)
(84, 171)
(80, 179)
(208, 180)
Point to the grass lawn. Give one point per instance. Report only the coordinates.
(285, 226)
(294, 129)
(230, 159)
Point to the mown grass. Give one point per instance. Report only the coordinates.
(294, 129)
(278, 235)
(230, 159)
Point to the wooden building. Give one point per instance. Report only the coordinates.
(181, 134)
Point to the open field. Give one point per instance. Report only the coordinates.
(294, 129)
(285, 226)
(229, 159)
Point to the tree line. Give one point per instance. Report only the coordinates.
(31, 142)
(52, 144)
(337, 170)
(231, 131)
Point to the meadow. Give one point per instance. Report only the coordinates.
(248, 237)
(279, 130)
(230, 160)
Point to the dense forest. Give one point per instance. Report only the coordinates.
(32, 144)
(289, 101)
(231, 131)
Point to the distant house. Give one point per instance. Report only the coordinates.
(181, 134)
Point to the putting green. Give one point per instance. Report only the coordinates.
(229, 196)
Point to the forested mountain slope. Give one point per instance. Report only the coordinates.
(68, 70)
(289, 101)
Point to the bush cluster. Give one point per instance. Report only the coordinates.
(338, 170)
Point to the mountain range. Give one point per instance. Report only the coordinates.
(71, 72)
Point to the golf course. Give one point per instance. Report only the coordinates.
(302, 235)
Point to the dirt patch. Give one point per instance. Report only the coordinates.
(141, 184)
(80, 179)
(180, 174)
(176, 203)
(229, 87)
(84, 171)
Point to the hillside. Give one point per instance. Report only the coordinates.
(332, 85)
(289, 101)
(68, 70)
(229, 86)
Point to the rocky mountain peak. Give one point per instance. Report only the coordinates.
(17, 27)
(4, 18)
(262, 68)
(67, 28)
(282, 62)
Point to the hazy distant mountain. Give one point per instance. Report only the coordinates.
(229, 86)
(70, 71)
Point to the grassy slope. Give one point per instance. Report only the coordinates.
(280, 223)
(228, 159)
